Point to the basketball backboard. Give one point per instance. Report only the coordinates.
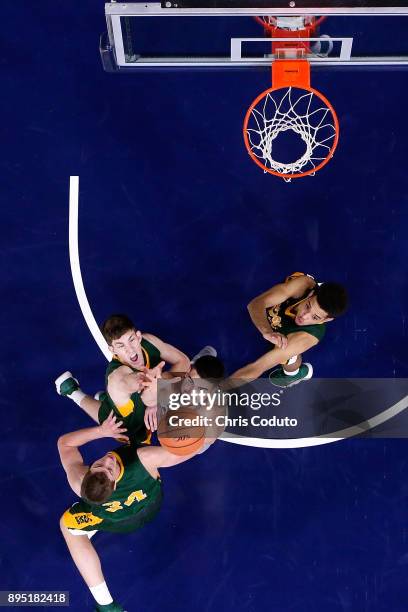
(224, 34)
(326, 7)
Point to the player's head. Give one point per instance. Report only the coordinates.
(123, 339)
(325, 302)
(204, 374)
(99, 482)
(208, 367)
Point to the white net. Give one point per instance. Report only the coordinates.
(300, 111)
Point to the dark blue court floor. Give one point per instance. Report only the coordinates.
(179, 229)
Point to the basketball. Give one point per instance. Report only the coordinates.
(178, 432)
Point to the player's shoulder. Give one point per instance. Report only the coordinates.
(73, 465)
(118, 370)
(152, 340)
(75, 476)
(127, 454)
(150, 337)
(298, 283)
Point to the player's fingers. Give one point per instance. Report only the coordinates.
(158, 369)
(147, 383)
(123, 439)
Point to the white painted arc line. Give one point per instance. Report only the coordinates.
(342, 434)
(76, 268)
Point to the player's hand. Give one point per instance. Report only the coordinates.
(138, 378)
(111, 428)
(149, 395)
(277, 339)
(150, 418)
(155, 372)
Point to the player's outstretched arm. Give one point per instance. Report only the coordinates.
(123, 382)
(68, 448)
(294, 287)
(298, 343)
(176, 359)
(156, 457)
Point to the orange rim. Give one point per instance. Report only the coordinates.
(299, 174)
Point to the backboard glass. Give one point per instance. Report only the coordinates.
(277, 6)
(224, 34)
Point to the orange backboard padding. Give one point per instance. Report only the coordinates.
(291, 73)
(277, 33)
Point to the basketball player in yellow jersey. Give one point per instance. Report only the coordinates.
(133, 354)
(292, 316)
(120, 492)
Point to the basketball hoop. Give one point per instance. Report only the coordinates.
(291, 105)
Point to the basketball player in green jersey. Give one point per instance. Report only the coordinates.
(134, 355)
(119, 492)
(292, 316)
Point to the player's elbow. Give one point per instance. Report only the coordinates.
(257, 305)
(252, 305)
(183, 364)
(60, 442)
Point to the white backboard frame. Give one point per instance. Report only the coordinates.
(114, 45)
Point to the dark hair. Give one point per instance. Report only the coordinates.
(209, 367)
(115, 327)
(96, 487)
(332, 298)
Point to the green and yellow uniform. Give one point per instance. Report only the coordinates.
(135, 501)
(131, 413)
(282, 316)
